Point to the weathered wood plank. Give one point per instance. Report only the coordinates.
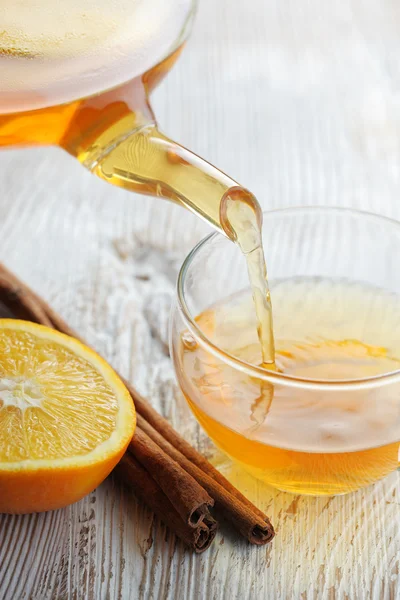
(298, 101)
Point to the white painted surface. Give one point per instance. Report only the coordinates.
(300, 102)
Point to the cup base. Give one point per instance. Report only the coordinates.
(302, 488)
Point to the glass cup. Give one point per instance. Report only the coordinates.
(317, 436)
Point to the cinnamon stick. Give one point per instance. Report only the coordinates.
(253, 525)
(164, 428)
(20, 301)
(248, 519)
(25, 304)
(190, 500)
(198, 538)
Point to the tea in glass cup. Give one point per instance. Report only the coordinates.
(327, 420)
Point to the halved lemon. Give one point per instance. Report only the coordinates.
(66, 418)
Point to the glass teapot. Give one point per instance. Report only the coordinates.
(78, 74)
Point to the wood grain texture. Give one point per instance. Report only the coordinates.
(299, 101)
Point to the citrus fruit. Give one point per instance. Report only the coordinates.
(65, 418)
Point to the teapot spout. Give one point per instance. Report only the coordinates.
(121, 143)
(148, 162)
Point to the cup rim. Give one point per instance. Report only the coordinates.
(259, 372)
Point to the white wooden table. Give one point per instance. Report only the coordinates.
(299, 101)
